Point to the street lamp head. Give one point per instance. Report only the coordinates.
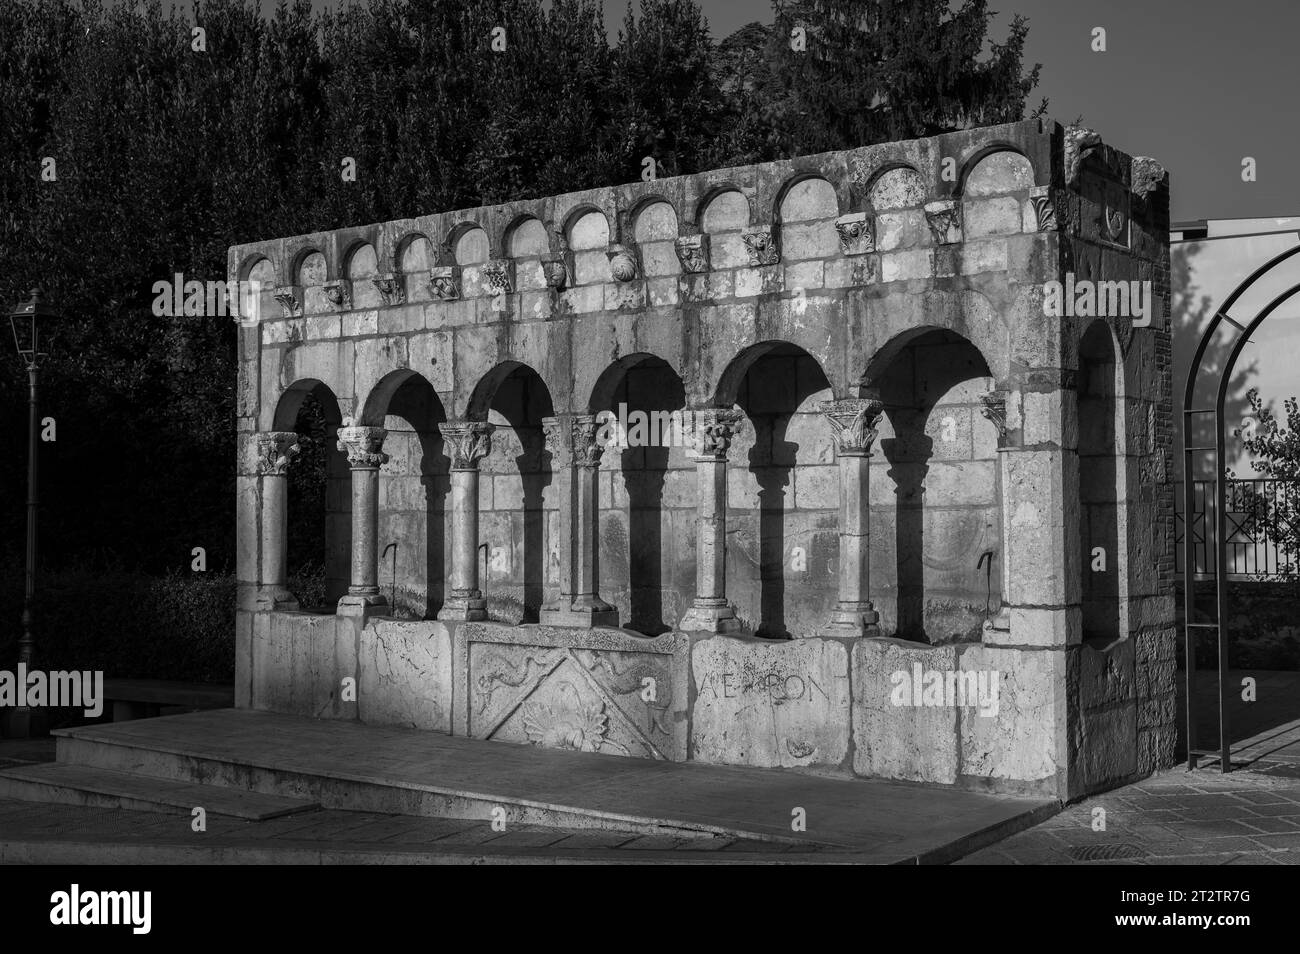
(31, 321)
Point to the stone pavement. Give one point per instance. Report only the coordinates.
(1251, 816)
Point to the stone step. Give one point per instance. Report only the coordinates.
(68, 784)
(395, 771)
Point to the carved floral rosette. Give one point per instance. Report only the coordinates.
(944, 219)
(444, 282)
(712, 432)
(760, 243)
(853, 421)
(363, 445)
(275, 452)
(468, 442)
(622, 263)
(499, 276)
(693, 253)
(338, 293)
(290, 299)
(389, 286)
(857, 232)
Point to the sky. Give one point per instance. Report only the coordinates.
(1198, 84)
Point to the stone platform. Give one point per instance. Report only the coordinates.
(344, 765)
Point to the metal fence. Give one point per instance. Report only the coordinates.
(1263, 528)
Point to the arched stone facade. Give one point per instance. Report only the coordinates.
(887, 457)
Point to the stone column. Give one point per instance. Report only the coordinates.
(995, 409)
(275, 451)
(468, 442)
(711, 613)
(854, 424)
(558, 434)
(363, 447)
(576, 453)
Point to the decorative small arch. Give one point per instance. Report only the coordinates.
(654, 219)
(721, 208)
(469, 243)
(806, 197)
(894, 186)
(309, 267)
(995, 168)
(527, 237)
(413, 253)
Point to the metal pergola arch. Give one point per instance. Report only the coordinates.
(1218, 449)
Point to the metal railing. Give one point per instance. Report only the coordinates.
(1263, 519)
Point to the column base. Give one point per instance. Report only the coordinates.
(710, 619)
(582, 617)
(362, 606)
(466, 609)
(853, 621)
(276, 599)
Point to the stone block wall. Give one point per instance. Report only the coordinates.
(1014, 443)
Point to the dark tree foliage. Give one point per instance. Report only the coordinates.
(166, 156)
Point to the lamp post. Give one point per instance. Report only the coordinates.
(26, 321)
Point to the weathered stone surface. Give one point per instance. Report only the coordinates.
(405, 674)
(1025, 741)
(904, 741)
(759, 702)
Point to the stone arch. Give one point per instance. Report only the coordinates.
(360, 266)
(470, 244)
(1101, 483)
(414, 487)
(647, 492)
(937, 500)
(654, 229)
(993, 191)
(897, 196)
(896, 186)
(319, 520)
(414, 253)
(724, 215)
(806, 209)
(521, 524)
(527, 240)
(783, 492)
(260, 269)
(995, 169)
(587, 234)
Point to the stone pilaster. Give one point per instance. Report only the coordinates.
(468, 442)
(710, 612)
(275, 452)
(854, 424)
(363, 446)
(995, 409)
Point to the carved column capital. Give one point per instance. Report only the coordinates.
(499, 276)
(558, 438)
(857, 232)
(712, 432)
(363, 445)
(853, 421)
(339, 293)
(275, 452)
(944, 219)
(586, 449)
(995, 409)
(1043, 200)
(444, 282)
(693, 253)
(760, 243)
(389, 286)
(290, 299)
(468, 442)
